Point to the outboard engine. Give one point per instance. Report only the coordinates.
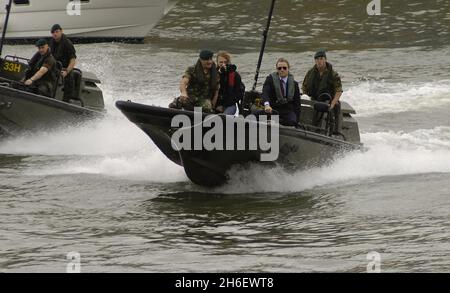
(77, 78)
(89, 93)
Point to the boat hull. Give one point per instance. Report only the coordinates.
(98, 20)
(298, 148)
(23, 112)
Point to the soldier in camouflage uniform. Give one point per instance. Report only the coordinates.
(199, 85)
(320, 81)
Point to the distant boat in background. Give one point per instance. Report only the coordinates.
(98, 20)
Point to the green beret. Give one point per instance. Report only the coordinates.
(55, 27)
(206, 54)
(41, 42)
(320, 53)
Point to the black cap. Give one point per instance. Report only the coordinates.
(320, 53)
(55, 27)
(206, 54)
(41, 42)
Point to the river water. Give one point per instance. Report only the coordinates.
(105, 191)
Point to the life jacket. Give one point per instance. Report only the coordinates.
(231, 79)
(290, 91)
(227, 83)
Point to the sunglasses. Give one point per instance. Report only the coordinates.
(282, 67)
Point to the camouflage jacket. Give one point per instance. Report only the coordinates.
(201, 86)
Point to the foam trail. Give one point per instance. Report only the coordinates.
(119, 149)
(108, 136)
(376, 97)
(111, 147)
(145, 165)
(388, 154)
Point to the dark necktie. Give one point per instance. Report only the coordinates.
(283, 88)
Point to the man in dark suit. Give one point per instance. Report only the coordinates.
(281, 93)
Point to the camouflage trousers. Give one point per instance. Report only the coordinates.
(190, 103)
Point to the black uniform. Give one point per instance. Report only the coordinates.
(64, 51)
(44, 85)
